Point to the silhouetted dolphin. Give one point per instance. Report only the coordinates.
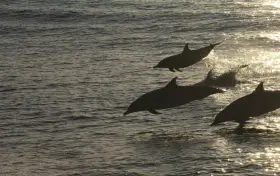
(259, 102)
(170, 96)
(227, 79)
(186, 58)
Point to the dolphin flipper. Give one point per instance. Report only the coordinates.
(153, 111)
(171, 69)
(178, 69)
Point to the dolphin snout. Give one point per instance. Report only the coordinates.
(215, 44)
(125, 113)
(222, 90)
(243, 66)
(213, 124)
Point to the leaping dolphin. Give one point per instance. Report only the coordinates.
(170, 96)
(227, 79)
(259, 102)
(186, 58)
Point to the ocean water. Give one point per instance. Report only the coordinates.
(69, 69)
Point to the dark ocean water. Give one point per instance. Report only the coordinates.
(69, 69)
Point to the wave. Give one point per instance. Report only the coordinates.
(78, 117)
(55, 85)
(43, 16)
(8, 90)
(145, 21)
(12, 29)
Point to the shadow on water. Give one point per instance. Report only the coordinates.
(254, 137)
(191, 140)
(254, 147)
(162, 145)
(169, 145)
(244, 131)
(176, 149)
(161, 138)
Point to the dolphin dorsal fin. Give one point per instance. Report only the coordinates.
(172, 83)
(186, 48)
(210, 75)
(259, 88)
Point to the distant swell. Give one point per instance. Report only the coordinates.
(41, 15)
(79, 117)
(8, 90)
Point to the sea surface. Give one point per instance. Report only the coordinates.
(70, 68)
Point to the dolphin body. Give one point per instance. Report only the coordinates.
(170, 96)
(186, 58)
(259, 102)
(227, 79)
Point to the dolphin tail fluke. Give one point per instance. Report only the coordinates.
(153, 111)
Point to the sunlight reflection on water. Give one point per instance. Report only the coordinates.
(270, 158)
(274, 3)
(271, 35)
